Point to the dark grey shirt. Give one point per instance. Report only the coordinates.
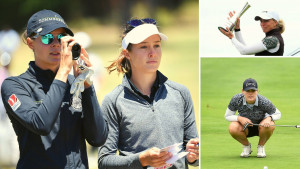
(136, 125)
(256, 112)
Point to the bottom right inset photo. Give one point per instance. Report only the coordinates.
(250, 113)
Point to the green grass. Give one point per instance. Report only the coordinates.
(278, 80)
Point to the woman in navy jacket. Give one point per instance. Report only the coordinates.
(51, 132)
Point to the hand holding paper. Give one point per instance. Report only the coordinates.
(177, 153)
(154, 157)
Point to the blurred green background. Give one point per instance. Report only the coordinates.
(278, 80)
(102, 20)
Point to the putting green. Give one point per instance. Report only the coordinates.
(278, 80)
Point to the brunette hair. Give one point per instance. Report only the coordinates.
(122, 64)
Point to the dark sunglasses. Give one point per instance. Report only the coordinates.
(49, 38)
(136, 22)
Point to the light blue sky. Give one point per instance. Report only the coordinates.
(213, 13)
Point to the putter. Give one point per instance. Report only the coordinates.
(247, 124)
(297, 126)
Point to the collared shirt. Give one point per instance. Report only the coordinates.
(135, 125)
(250, 106)
(256, 113)
(153, 89)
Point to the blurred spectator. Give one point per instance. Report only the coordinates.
(9, 152)
(9, 40)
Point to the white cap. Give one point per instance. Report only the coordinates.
(267, 15)
(140, 33)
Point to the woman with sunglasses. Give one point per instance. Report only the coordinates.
(271, 45)
(147, 112)
(51, 131)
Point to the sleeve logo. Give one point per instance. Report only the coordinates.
(14, 102)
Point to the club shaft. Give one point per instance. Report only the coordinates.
(275, 125)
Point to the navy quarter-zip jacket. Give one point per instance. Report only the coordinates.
(51, 134)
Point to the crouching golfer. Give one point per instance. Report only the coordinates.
(252, 109)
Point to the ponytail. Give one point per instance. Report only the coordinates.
(281, 26)
(121, 64)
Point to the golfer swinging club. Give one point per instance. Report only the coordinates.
(252, 109)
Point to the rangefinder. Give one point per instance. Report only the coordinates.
(76, 49)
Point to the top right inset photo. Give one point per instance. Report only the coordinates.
(249, 28)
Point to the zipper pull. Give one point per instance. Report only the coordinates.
(152, 107)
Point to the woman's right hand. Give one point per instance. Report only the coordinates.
(244, 120)
(154, 157)
(66, 61)
(237, 24)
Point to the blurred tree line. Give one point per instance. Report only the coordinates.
(15, 13)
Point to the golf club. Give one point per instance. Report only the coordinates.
(293, 53)
(247, 124)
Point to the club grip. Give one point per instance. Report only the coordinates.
(245, 126)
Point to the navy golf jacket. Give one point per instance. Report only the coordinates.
(51, 134)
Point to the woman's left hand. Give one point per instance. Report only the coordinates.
(227, 33)
(193, 148)
(267, 122)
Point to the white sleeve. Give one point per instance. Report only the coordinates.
(239, 37)
(275, 116)
(230, 115)
(248, 49)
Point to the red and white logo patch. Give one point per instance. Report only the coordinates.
(14, 102)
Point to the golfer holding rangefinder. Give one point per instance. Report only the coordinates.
(52, 133)
(253, 109)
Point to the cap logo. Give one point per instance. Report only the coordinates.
(51, 19)
(14, 102)
(39, 30)
(250, 84)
